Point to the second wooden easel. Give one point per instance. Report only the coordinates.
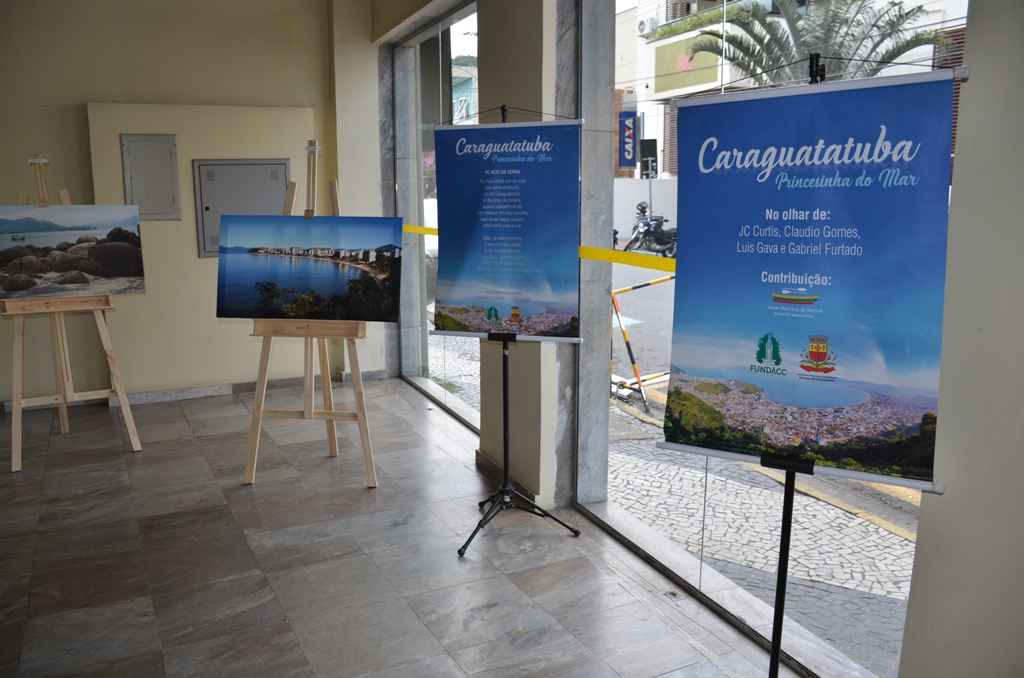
(314, 334)
(56, 309)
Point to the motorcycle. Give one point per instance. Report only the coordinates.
(650, 234)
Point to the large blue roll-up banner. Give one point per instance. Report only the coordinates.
(508, 206)
(811, 268)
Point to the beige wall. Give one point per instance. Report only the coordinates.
(56, 57)
(389, 14)
(967, 594)
(170, 337)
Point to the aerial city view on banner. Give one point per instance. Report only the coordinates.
(808, 316)
(509, 200)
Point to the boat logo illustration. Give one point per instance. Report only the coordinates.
(817, 358)
(798, 296)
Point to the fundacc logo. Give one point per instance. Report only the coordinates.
(768, 356)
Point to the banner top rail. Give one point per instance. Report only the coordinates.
(504, 125)
(818, 88)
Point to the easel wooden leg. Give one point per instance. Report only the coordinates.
(115, 379)
(17, 387)
(257, 411)
(307, 378)
(59, 370)
(364, 427)
(328, 393)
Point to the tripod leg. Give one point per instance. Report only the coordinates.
(533, 508)
(491, 512)
(494, 496)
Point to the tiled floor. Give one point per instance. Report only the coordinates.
(163, 564)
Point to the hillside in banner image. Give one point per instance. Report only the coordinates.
(695, 414)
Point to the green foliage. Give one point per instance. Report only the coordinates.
(712, 388)
(443, 321)
(368, 298)
(749, 389)
(860, 36)
(691, 421)
(692, 23)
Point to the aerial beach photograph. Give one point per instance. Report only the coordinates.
(323, 268)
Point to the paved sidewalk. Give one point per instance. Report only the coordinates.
(849, 578)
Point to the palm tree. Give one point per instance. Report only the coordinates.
(856, 38)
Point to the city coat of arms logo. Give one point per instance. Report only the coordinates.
(818, 358)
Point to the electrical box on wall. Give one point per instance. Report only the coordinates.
(235, 187)
(150, 163)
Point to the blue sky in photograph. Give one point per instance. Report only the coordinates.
(237, 230)
(550, 236)
(883, 311)
(75, 215)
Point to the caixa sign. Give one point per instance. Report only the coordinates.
(627, 139)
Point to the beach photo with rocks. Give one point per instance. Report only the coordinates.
(69, 250)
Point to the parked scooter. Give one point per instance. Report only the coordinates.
(650, 234)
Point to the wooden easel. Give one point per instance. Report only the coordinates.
(314, 334)
(56, 308)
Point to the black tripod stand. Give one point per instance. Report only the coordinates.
(507, 497)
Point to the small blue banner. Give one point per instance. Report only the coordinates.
(508, 205)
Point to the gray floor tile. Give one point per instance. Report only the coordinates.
(97, 581)
(289, 547)
(398, 527)
(365, 639)
(427, 566)
(219, 425)
(77, 640)
(567, 587)
(16, 554)
(155, 432)
(67, 484)
(149, 471)
(86, 509)
(320, 591)
(470, 614)
(634, 640)
(73, 546)
(213, 407)
(527, 651)
(232, 627)
(573, 666)
(441, 666)
(518, 549)
(177, 498)
(185, 550)
(702, 669)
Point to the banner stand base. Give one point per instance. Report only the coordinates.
(507, 497)
(791, 466)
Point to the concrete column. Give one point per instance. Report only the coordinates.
(413, 311)
(967, 594)
(527, 59)
(597, 76)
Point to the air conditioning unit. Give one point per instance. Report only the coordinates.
(648, 25)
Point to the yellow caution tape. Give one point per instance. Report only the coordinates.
(422, 230)
(651, 261)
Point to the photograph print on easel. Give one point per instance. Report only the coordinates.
(320, 268)
(69, 250)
